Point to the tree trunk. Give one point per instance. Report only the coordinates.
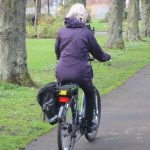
(82, 2)
(114, 34)
(13, 65)
(37, 12)
(48, 7)
(132, 20)
(61, 2)
(37, 4)
(145, 18)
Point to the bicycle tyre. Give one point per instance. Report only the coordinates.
(91, 136)
(64, 132)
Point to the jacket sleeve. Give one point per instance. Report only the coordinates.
(96, 50)
(57, 47)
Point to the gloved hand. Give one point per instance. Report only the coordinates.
(106, 57)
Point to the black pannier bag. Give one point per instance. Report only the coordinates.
(47, 100)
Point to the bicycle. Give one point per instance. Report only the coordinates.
(71, 120)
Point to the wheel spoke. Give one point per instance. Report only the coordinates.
(65, 139)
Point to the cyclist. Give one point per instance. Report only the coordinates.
(73, 44)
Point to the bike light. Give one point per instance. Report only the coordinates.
(63, 99)
(63, 92)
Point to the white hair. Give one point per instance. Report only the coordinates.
(78, 11)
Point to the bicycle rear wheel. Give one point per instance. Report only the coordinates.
(96, 119)
(65, 136)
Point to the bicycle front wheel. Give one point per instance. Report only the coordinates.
(65, 136)
(96, 117)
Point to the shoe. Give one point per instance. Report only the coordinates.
(91, 127)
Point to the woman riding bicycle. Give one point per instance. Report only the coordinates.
(73, 44)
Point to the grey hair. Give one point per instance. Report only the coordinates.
(78, 11)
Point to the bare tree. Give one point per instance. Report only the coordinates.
(13, 65)
(132, 20)
(145, 18)
(37, 4)
(37, 12)
(114, 34)
(81, 1)
(48, 7)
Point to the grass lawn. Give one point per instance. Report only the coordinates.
(99, 26)
(103, 26)
(20, 115)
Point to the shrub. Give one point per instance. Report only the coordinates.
(47, 27)
(28, 18)
(30, 31)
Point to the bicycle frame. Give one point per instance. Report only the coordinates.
(74, 126)
(82, 110)
(79, 115)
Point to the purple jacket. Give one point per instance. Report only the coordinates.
(73, 58)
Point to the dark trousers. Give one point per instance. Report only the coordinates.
(89, 92)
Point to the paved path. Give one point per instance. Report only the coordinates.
(125, 123)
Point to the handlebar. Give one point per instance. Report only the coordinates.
(91, 58)
(92, 29)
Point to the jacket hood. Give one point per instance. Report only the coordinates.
(71, 22)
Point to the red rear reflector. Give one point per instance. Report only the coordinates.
(63, 99)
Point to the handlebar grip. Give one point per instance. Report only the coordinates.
(91, 59)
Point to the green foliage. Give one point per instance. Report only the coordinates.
(47, 27)
(28, 18)
(30, 31)
(21, 118)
